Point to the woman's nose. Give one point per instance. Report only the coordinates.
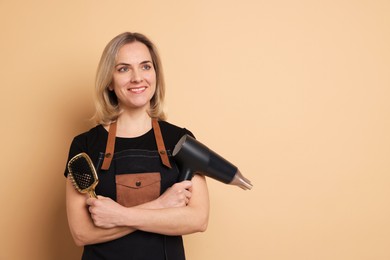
(136, 77)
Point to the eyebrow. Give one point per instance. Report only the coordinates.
(127, 64)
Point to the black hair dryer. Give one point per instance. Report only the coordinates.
(192, 156)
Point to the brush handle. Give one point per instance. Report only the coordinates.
(92, 194)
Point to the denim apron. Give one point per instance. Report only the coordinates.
(139, 176)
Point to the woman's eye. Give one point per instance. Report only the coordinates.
(146, 67)
(123, 69)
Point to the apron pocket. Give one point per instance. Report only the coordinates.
(137, 188)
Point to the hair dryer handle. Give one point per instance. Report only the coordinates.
(186, 174)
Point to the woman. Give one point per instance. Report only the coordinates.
(142, 210)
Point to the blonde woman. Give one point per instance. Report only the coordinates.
(142, 210)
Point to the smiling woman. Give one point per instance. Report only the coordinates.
(142, 209)
(134, 78)
(117, 58)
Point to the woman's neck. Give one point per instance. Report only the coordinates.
(133, 125)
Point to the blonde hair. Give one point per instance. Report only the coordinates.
(106, 102)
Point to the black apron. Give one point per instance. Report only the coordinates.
(139, 176)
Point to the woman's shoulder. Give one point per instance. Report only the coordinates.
(93, 134)
(172, 133)
(90, 142)
(174, 129)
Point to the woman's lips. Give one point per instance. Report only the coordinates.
(137, 90)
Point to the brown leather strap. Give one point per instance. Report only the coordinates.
(160, 143)
(110, 147)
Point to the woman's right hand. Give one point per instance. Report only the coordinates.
(176, 196)
(83, 229)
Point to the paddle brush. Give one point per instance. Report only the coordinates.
(83, 174)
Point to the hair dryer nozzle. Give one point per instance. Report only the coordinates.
(242, 182)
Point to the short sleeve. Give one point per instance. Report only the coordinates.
(77, 146)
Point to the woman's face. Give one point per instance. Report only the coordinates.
(134, 77)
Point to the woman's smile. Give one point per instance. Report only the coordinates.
(137, 90)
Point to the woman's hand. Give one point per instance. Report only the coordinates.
(105, 212)
(176, 196)
(83, 229)
(180, 202)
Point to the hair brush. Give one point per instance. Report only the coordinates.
(83, 174)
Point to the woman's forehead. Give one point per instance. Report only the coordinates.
(134, 52)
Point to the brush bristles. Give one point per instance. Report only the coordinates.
(74, 183)
(82, 172)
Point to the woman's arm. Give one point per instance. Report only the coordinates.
(85, 231)
(176, 221)
(168, 220)
(81, 226)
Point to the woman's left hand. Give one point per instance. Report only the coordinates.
(105, 212)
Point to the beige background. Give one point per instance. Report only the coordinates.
(295, 93)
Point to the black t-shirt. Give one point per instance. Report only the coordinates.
(139, 244)
(94, 141)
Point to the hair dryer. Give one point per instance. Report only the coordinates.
(192, 156)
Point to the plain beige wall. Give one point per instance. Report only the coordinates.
(295, 93)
